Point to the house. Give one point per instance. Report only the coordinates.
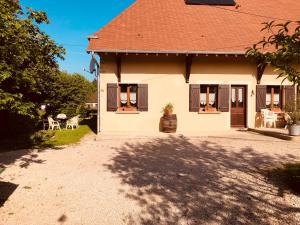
(92, 101)
(190, 53)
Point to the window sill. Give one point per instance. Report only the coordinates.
(128, 112)
(207, 112)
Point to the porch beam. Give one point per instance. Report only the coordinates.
(119, 67)
(260, 71)
(188, 66)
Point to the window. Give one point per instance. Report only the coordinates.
(273, 98)
(127, 97)
(208, 97)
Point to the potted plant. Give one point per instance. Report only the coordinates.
(293, 110)
(168, 109)
(168, 122)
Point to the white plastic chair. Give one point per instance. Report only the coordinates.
(73, 122)
(268, 117)
(53, 124)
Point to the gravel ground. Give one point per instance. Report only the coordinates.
(174, 179)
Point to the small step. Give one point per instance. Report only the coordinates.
(275, 133)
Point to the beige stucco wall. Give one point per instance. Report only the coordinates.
(166, 83)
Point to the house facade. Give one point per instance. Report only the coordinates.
(190, 55)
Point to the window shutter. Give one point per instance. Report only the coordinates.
(142, 98)
(289, 94)
(261, 93)
(194, 101)
(223, 97)
(112, 97)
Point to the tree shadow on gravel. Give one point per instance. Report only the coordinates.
(176, 181)
(24, 158)
(286, 178)
(6, 190)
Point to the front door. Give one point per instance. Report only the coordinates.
(238, 106)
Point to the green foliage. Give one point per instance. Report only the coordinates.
(70, 92)
(66, 137)
(47, 138)
(293, 109)
(289, 174)
(1, 170)
(168, 108)
(29, 73)
(27, 59)
(16, 124)
(41, 136)
(281, 49)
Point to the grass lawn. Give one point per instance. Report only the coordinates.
(66, 137)
(48, 138)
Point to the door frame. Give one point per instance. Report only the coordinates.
(246, 104)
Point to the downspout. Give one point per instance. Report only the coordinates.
(98, 95)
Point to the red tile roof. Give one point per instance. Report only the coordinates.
(172, 26)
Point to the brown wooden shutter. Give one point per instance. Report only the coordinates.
(112, 97)
(261, 93)
(142, 98)
(194, 100)
(223, 97)
(289, 94)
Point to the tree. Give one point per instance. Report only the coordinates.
(28, 59)
(69, 95)
(281, 49)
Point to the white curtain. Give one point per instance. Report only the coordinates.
(276, 99)
(240, 95)
(123, 97)
(203, 98)
(133, 98)
(212, 98)
(268, 99)
(233, 95)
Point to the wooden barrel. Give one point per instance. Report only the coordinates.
(169, 123)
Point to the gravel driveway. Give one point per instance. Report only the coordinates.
(152, 180)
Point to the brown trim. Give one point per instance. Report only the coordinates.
(119, 67)
(194, 97)
(128, 107)
(260, 97)
(272, 97)
(207, 97)
(272, 107)
(112, 97)
(223, 97)
(246, 105)
(260, 71)
(188, 66)
(245, 88)
(142, 97)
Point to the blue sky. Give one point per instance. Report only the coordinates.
(72, 21)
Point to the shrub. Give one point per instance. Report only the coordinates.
(42, 136)
(293, 109)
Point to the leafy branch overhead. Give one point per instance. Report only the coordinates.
(28, 58)
(29, 71)
(280, 48)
